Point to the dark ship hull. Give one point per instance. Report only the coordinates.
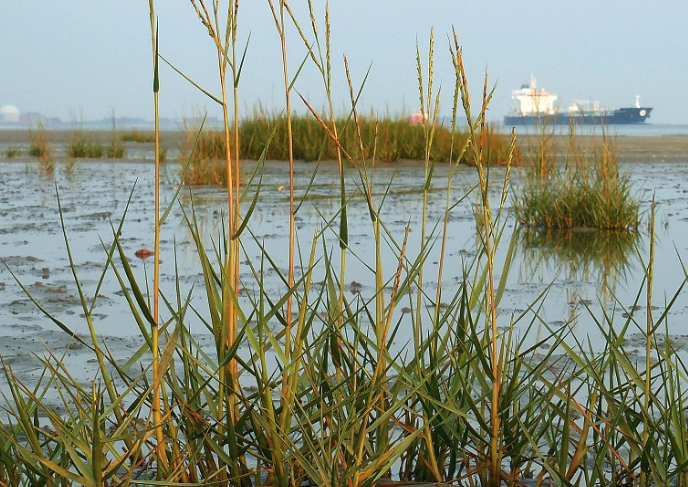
(620, 116)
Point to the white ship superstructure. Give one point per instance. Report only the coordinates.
(531, 102)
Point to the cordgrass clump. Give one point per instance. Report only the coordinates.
(39, 145)
(116, 149)
(388, 139)
(13, 152)
(83, 147)
(80, 147)
(41, 148)
(577, 189)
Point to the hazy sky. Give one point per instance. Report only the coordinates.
(84, 59)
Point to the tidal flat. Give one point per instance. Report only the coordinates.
(95, 194)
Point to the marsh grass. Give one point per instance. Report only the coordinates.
(82, 146)
(70, 165)
(13, 152)
(206, 157)
(305, 386)
(138, 136)
(116, 149)
(577, 188)
(392, 140)
(41, 148)
(39, 142)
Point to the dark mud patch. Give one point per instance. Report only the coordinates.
(53, 297)
(16, 261)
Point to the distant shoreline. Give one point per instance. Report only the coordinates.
(629, 148)
(168, 138)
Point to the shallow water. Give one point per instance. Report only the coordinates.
(648, 129)
(95, 195)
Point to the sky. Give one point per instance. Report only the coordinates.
(90, 59)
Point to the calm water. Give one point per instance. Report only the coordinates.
(639, 130)
(95, 195)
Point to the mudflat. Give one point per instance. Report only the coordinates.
(659, 148)
(168, 138)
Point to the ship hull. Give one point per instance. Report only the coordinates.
(621, 116)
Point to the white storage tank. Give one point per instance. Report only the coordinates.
(9, 114)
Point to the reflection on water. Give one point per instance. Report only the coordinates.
(637, 130)
(608, 257)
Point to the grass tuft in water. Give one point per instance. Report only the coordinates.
(576, 189)
(41, 148)
(80, 147)
(13, 152)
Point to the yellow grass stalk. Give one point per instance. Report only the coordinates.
(429, 110)
(649, 335)
(225, 38)
(286, 398)
(489, 241)
(161, 452)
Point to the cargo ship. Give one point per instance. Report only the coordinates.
(537, 107)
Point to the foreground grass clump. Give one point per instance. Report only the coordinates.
(576, 189)
(386, 139)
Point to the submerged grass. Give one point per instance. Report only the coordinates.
(305, 386)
